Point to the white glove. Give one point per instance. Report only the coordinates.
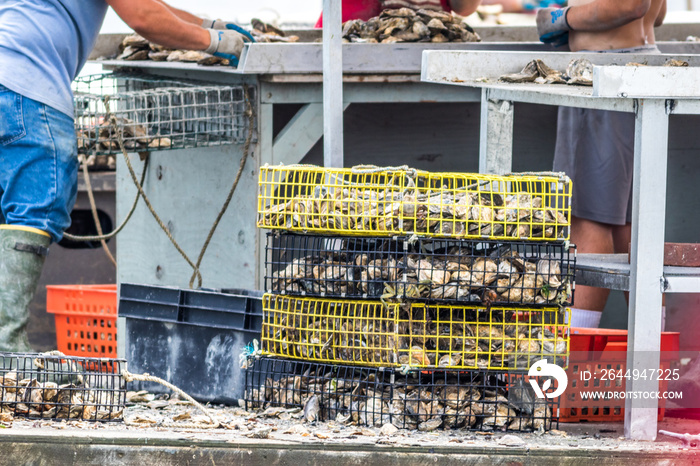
(223, 25)
(226, 44)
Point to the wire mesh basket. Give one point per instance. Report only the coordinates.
(388, 202)
(156, 114)
(372, 333)
(425, 400)
(41, 386)
(458, 271)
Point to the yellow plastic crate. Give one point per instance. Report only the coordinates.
(373, 333)
(388, 202)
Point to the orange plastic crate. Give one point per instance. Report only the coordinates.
(86, 319)
(588, 353)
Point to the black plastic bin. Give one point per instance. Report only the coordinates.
(190, 338)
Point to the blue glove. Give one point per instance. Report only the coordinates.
(534, 4)
(240, 30)
(555, 39)
(552, 26)
(222, 25)
(226, 44)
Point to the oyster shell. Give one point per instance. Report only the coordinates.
(580, 71)
(407, 25)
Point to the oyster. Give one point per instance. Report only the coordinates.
(676, 62)
(407, 25)
(527, 75)
(548, 75)
(159, 56)
(368, 398)
(580, 71)
(535, 71)
(456, 275)
(135, 47)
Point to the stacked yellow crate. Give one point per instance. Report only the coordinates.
(398, 329)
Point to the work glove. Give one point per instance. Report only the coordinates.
(223, 25)
(226, 44)
(552, 26)
(535, 4)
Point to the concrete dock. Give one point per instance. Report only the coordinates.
(54, 443)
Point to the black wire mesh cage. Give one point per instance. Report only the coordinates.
(390, 269)
(155, 113)
(424, 400)
(42, 386)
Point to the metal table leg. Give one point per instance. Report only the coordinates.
(496, 138)
(646, 278)
(265, 145)
(332, 84)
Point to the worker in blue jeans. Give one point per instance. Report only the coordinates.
(43, 46)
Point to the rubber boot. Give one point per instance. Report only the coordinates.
(22, 255)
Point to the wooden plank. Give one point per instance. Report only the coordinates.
(682, 254)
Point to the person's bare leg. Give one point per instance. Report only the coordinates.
(622, 235)
(593, 238)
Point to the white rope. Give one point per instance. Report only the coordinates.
(129, 377)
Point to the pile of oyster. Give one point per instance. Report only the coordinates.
(448, 213)
(407, 25)
(60, 399)
(435, 336)
(454, 275)
(135, 47)
(267, 33)
(103, 138)
(368, 398)
(579, 72)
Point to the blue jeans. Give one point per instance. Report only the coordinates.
(38, 164)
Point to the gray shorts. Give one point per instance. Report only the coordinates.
(596, 149)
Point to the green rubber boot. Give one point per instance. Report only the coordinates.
(22, 255)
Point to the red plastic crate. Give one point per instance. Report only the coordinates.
(595, 350)
(86, 319)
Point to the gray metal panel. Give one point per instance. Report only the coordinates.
(166, 65)
(280, 93)
(553, 94)
(307, 58)
(187, 189)
(358, 58)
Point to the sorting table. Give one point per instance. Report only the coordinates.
(652, 93)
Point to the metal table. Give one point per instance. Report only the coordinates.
(652, 93)
(283, 75)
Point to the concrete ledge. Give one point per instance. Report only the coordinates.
(173, 448)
